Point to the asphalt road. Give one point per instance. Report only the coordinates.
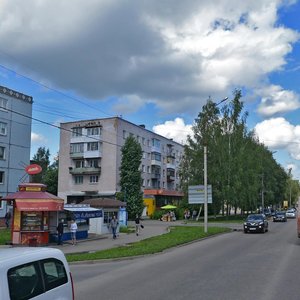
(230, 266)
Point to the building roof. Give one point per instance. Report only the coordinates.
(104, 202)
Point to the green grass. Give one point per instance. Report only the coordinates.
(4, 236)
(178, 235)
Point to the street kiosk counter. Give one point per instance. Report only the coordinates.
(35, 214)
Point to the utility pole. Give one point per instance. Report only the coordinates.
(262, 193)
(205, 189)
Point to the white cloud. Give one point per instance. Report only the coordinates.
(37, 138)
(128, 104)
(278, 133)
(277, 100)
(169, 52)
(175, 130)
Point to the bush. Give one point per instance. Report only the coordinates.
(157, 214)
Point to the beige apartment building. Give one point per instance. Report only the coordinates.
(90, 158)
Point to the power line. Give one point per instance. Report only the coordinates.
(54, 90)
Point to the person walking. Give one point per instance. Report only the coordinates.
(7, 218)
(73, 229)
(114, 225)
(60, 231)
(137, 224)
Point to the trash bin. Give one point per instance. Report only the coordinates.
(32, 242)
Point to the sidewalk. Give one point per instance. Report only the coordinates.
(103, 242)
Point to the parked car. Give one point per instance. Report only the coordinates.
(256, 223)
(39, 273)
(291, 213)
(279, 216)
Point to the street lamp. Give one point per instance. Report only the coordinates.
(205, 178)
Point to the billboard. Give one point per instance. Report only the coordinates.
(196, 194)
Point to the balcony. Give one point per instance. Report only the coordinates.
(92, 154)
(76, 154)
(171, 166)
(155, 162)
(84, 171)
(155, 175)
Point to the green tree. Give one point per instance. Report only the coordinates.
(51, 178)
(130, 177)
(42, 158)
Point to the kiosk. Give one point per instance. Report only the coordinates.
(35, 214)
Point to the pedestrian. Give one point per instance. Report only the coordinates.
(73, 229)
(137, 224)
(114, 224)
(194, 215)
(7, 218)
(60, 231)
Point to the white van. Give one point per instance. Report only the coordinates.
(34, 273)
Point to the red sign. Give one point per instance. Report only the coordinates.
(33, 169)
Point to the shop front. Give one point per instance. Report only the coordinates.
(81, 214)
(35, 214)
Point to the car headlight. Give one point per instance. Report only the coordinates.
(260, 223)
(245, 223)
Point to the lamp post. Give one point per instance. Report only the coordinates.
(205, 178)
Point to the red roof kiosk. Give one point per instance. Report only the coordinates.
(35, 214)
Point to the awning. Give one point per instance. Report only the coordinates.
(40, 205)
(85, 212)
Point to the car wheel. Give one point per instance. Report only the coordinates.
(245, 231)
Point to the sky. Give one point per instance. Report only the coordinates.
(155, 63)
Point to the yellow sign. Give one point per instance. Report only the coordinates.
(285, 204)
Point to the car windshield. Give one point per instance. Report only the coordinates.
(290, 211)
(280, 213)
(254, 217)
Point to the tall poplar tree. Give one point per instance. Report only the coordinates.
(130, 177)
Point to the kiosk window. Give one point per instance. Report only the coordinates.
(32, 221)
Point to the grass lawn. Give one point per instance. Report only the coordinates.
(4, 236)
(178, 235)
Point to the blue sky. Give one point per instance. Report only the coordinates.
(155, 63)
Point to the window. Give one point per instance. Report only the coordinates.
(94, 179)
(3, 103)
(77, 148)
(77, 131)
(3, 128)
(148, 170)
(156, 156)
(54, 273)
(1, 177)
(93, 146)
(156, 143)
(79, 164)
(143, 169)
(24, 281)
(144, 155)
(93, 163)
(94, 131)
(2, 152)
(78, 179)
(124, 134)
(35, 278)
(144, 182)
(143, 141)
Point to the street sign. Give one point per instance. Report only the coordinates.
(196, 194)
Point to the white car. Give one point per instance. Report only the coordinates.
(291, 213)
(34, 273)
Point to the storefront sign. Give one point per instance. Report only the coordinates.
(33, 169)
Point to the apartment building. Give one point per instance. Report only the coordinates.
(90, 158)
(15, 140)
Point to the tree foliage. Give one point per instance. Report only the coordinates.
(130, 177)
(49, 174)
(241, 170)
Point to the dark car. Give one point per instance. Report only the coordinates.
(256, 223)
(280, 216)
